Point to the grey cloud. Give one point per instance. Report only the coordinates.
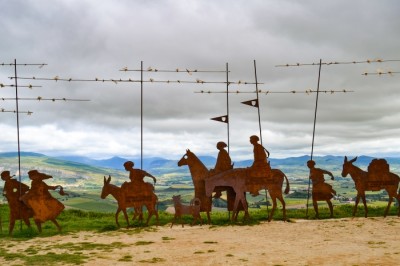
(89, 39)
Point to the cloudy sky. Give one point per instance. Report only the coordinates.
(88, 39)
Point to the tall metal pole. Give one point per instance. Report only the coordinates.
(258, 102)
(141, 115)
(227, 101)
(19, 145)
(313, 137)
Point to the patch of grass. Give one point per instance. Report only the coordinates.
(376, 243)
(229, 255)
(126, 258)
(166, 238)
(153, 260)
(198, 252)
(46, 259)
(143, 243)
(210, 242)
(77, 220)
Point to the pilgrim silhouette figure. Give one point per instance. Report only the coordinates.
(45, 207)
(13, 190)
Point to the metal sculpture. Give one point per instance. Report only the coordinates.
(321, 191)
(377, 178)
(143, 197)
(13, 189)
(45, 207)
(232, 178)
(181, 209)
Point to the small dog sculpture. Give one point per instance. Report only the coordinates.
(180, 209)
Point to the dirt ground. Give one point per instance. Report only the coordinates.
(359, 241)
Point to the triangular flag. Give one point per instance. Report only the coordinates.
(253, 103)
(223, 119)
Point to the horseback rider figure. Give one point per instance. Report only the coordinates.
(222, 164)
(224, 161)
(137, 186)
(260, 167)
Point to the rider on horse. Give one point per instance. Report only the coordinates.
(260, 167)
(222, 164)
(137, 186)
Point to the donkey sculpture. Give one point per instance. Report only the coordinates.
(125, 202)
(364, 181)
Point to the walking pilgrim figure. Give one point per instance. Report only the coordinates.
(13, 189)
(45, 207)
(320, 189)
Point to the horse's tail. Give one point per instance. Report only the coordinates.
(287, 189)
(195, 202)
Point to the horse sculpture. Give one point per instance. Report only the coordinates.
(230, 178)
(199, 173)
(364, 181)
(125, 202)
(236, 179)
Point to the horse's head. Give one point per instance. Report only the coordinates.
(347, 165)
(106, 187)
(184, 159)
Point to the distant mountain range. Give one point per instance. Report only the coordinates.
(330, 161)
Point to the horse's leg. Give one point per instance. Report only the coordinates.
(39, 225)
(126, 217)
(150, 212)
(245, 207)
(236, 208)
(27, 222)
(11, 225)
(315, 204)
(56, 224)
(273, 198)
(116, 216)
(208, 218)
(398, 204)
(330, 207)
(356, 204)
(280, 197)
(173, 221)
(365, 205)
(388, 206)
(156, 213)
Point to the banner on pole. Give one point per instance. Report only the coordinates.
(253, 103)
(223, 119)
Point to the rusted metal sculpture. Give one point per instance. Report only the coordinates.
(377, 178)
(321, 191)
(192, 209)
(13, 190)
(231, 178)
(199, 173)
(45, 207)
(144, 197)
(235, 178)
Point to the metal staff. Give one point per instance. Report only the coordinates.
(312, 144)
